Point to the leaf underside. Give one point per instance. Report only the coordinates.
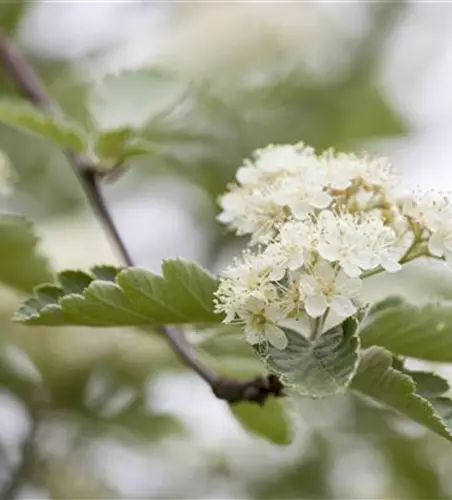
(318, 368)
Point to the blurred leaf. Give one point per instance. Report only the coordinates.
(134, 98)
(11, 13)
(392, 301)
(21, 265)
(118, 145)
(419, 331)
(366, 114)
(62, 132)
(139, 422)
(109, 144)
(184, 294)
(377, 379)
(306, 478)
(269, 421)
(318, 368)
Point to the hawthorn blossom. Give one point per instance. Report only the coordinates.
(326, 287)
(260, 322)
(358, 242)
(291, 249)
(323, 223)
(433, 211)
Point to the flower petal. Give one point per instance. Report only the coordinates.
(253, 337)
(350, 269)
(343, 306)
(308, 284)
(348, 287)
(316, 305)
(390, 265)
(436, 245)
(276, 336)
(321, 200)
(324, 271)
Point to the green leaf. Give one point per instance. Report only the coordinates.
(21, 265)
(22, 115)
(318, 368)
(109, 144)
(368, 114)
(378, 379)
(269, 421)
(11, 14)
(423, 332)
(113, 297)
(434, 388)
(118, 145)
(134, 98)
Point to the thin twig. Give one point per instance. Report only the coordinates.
(256, 390)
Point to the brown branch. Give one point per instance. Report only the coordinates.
(256, 390)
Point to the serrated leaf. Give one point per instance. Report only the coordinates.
(318, 368)
(269, 421)
(111, 296)
(434, 388)
(423, 332)
(22, 115)
(376, 378)
(21, 265)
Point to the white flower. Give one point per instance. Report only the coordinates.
(252, 211)
(291, 248)
(340, 168)
(283, 158)
(322, 222)
(282, 180)
(377, 171)
(440, 243)
(261, 320)
(343, 168)
(273, 162)
(247, 278)
(358, 242)
(326, 288)
(303, 194)
(433, 211)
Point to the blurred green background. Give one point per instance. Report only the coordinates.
(110, 413)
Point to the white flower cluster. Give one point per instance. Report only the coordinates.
(322, 223)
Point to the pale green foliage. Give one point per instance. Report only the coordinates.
(316, 368)
(134, 98)
(419, 331)
(115, 146)
(60, 131)
(21, 265)
(269, 421)
(114, 297)
(379, 380)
